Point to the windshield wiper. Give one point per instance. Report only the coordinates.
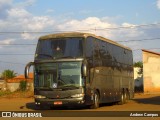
(66, 57)
(49, 89)
(69, 87)
(46, 55)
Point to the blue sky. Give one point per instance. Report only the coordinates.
(137, 11)
(72, 15)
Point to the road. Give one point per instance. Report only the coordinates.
(141, 102)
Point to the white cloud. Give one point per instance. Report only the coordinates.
(19, 19)
(27, 36)
(39, 23)
(35, 24)
(98, 26)
(131, 30)
(96, 22)
(18, 13)
(5, 2)
(7, 41)
(25, 3)
(158, 4)
(85, 24)
(128, 25)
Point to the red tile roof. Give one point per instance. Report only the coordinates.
(22, 76)
(19, 78)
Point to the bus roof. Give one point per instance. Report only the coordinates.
(79, 34)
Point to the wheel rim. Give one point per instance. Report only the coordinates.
(125, 97)
(96, 101)
(122, 98)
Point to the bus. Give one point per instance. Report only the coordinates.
(81, 69)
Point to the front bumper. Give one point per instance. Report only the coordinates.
(65, 102)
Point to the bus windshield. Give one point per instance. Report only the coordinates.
(59, 48)
(58, 75)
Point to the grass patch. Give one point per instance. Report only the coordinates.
(16, 94)
(3, 93)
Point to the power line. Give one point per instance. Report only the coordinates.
(42, 32)
(131, 26)
(17, 44)
(30, 44)
(15, 54)
(20, 32)
(12, 63)
(147, 49)
(146, 39)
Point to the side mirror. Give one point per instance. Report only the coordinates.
(84, 69)
(26, 71)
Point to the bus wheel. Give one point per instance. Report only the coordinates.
(121, 102)
(96, 101)
(125, 96)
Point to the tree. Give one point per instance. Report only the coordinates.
(8, 74)
(140, 65)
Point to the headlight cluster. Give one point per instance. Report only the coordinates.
(77, 95)
(39, 96)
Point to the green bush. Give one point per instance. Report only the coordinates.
(23, 85)
(3, 93)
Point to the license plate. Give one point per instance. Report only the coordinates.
(58, 103)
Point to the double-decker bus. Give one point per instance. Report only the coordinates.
(81, 69)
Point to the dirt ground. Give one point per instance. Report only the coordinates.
(141, 102)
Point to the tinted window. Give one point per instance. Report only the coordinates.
(102, 50)
(109, 51)
(59, 47)
(96, 49)
(118, 53)
(128, 57)
(54, 75)
(89, 47)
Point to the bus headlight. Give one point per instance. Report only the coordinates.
(39, 96)
(77, 95)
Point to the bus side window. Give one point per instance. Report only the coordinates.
(89, 47)
(89, 56)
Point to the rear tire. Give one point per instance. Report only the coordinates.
(125, 96)
(127, 93)
(121, 102)
(96, 101)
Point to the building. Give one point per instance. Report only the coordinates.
(151, 71)
(20, 78)
(13, 84)
(1, 83)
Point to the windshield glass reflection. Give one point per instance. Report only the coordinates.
(58, 75)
